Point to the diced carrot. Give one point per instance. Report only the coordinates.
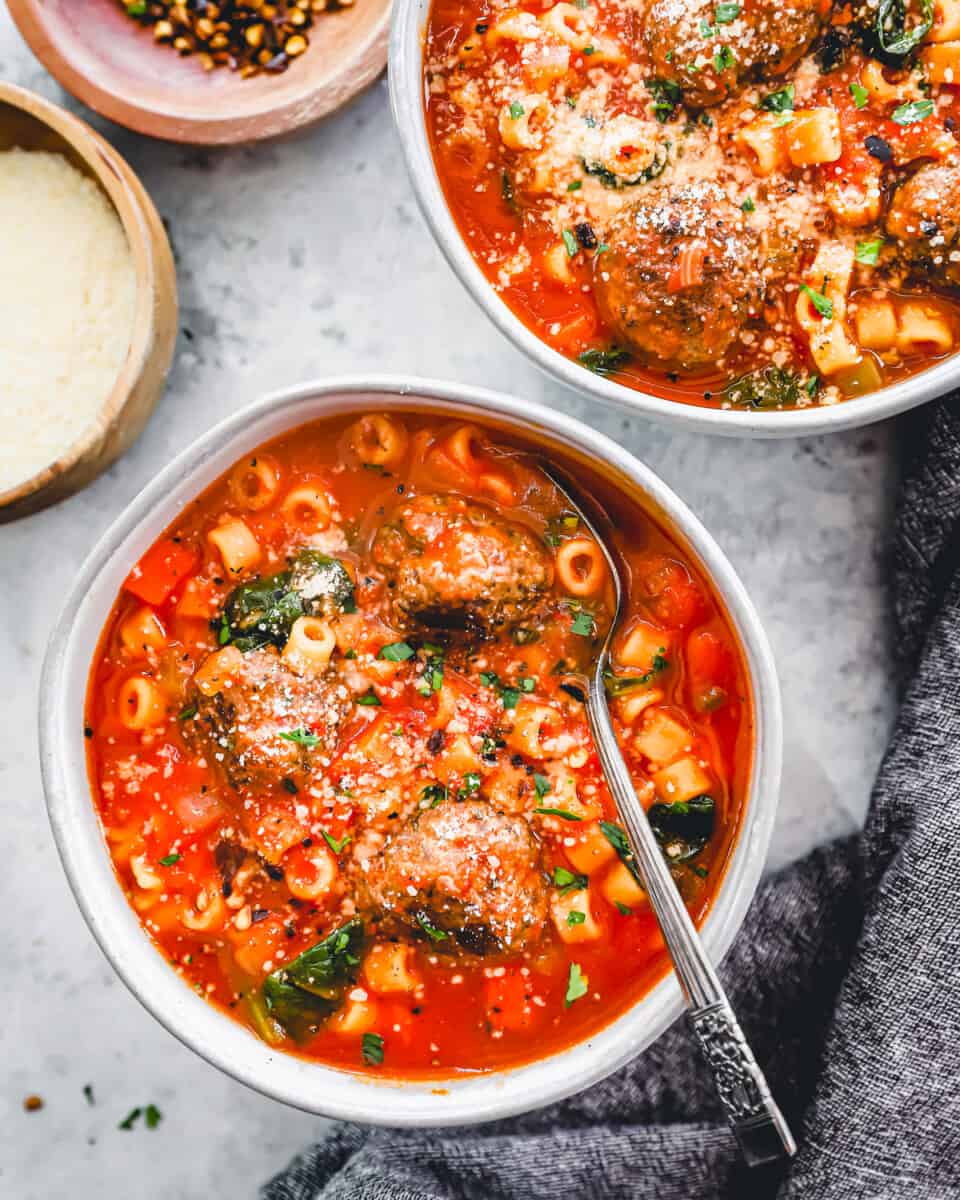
(199, 599)
(688, 269)
(160, 570)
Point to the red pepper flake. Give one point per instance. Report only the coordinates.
(33, 1104)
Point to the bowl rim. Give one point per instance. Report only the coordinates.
(111, 172)
(407, 96)
(226, 1043)
(358, 69)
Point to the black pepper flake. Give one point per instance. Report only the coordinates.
(516, 760)
(878, 148)
(226, 889)
(290, 786)
(294, 902)
(572, 690)
(289, 931)
(307, 843)
(258, 915)
(274, 872)
(708, 395)
(673, 376)
(87, 731)
(928, 228)
(585, 235)
(950, 124)
(436, 741)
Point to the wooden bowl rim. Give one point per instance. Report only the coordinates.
(305, 107)
(109, 169)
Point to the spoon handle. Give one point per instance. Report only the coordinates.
(757, 1122)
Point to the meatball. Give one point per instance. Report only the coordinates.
(924, 217)
(682, 275)
(453, 565)
(710, 61)
(241, 726)
(462, 874)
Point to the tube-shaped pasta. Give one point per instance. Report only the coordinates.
(309, 645)
(238, 548)
(207, 913)
(522, 122)
(496, 485)
(682, 781)
(513, 26)
(569, 24)
(357, 1016)
(255, 482)
(942, 62)
(662, 738)
(946, 21)
(140, 703)
(378, 440)
(147, 878)
(589, 848)
(813, 136)
(466, 446)
(556, 264)
(307, 507)
(141, 632)
(876, 323)
(581, 567)
(633, 703)
(573, 917)
(619, 887)
(389, 967)
(922, 329)
(830, 345)
(763, 139)
(310, 872)
(214, 672)
(530, 721)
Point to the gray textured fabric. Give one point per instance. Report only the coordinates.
(845, 976)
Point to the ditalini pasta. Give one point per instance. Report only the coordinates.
(651, 188)
(338, 744)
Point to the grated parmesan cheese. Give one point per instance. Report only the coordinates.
(67, 287)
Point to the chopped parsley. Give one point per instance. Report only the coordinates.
(667, 96)
(574, 917)
(88, 1093)
(395, 652)
(370, 699)
(604, 362)
(432, 931)
(910, 114)
(153, 1116)
(301, 737)
(623, 910)
(168, 860)
(576, 985)
(188, 713)
(781, 101)
(516, 110)
(706, 29)
(371, 1049)
(748, 205)
(860, 95)
(558, 812)
(432, 795)
(567, 882)
(820, 302)
(131, 1119)
(471, 784)
(869, 252)
(542, 785)
(571, 243)
(726, 14)
(337, 846)
(575, 185)
(723, 59)
(583, 624)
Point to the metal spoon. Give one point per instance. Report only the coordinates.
(757, 1122)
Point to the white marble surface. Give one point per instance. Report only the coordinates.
(306, 259)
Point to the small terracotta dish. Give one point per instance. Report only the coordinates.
(113, 64)
(31, 123)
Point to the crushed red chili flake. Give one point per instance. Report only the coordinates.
(33, 1104)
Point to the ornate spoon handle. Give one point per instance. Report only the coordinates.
(757, 1122)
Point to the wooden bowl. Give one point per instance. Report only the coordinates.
(110, 62)
(32, 123)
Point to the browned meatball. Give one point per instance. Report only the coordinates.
(462, 873)
(452, 564)
(682, 275)
(924, 217)
(240, 727)
(710, 60)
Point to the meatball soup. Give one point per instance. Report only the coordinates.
(750, 205)
(337, 741)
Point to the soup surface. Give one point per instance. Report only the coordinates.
(338, 743)
(749, 205)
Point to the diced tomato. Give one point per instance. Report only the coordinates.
(163, 566)
(675, 599)
(711, 669)
(507, 999)
(199, 599)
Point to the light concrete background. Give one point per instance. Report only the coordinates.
(304, 259)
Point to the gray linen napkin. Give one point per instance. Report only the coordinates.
(846, 977)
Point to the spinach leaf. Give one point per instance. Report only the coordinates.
(768, 387)
(617, 838)
(684, 827)
(891, 38)
(301, 994)
(263, 612)
(604, 362)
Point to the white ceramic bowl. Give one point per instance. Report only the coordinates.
(226, 1043)
(407, 97)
